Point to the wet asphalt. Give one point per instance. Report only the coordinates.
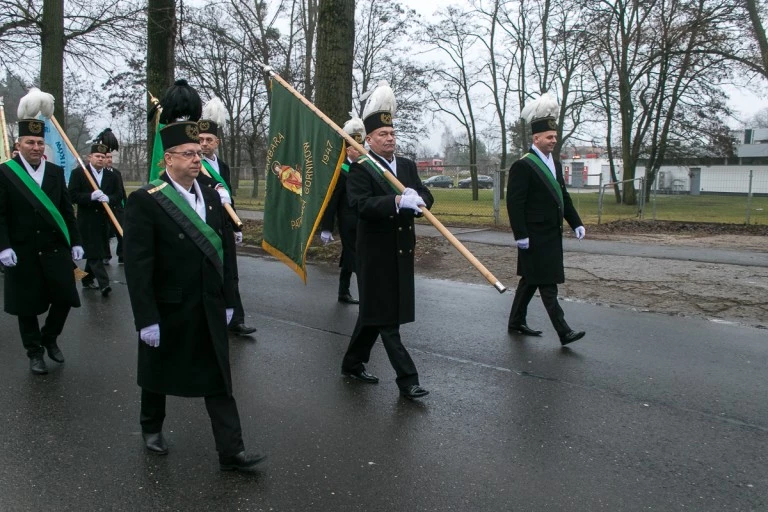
(647, 412)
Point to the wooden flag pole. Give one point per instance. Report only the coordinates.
(3, 129)
(95, 186)
(396, 184)
(228, 207)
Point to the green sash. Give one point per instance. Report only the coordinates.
(215, 175)
(201, 233)
(375, 171)
(541, 166)
(41, 196)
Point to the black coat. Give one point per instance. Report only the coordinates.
(172, 283)
(535, 212)
(385, 244)
(92, 218)
(44, 272)
(339, 208)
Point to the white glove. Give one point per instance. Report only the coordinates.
(409, 192)
(238, 237)
(326, 236)
(223, 194)
(230, 312)
(8, 257)
(151, 335)
(77, 252)
(523, 243)
(580, 232)
(97, 195)
(104, 198)
(412, 202)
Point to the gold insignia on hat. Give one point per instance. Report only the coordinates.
(193, 132)
(204, 125)
(386, 118)
(102, 148)
(36, 127)
(358, 138)
(552, 124)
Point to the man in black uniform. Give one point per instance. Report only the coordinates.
(38, 241)
(216, 175)
(92, 219)
(119, 209)
(178, 246)
(537, 203)
(385, 245)
(338, 208)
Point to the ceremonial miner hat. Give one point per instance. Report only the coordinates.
(214, 117)
(182, 108)
(355, 128)
(541, 113)
(379, 108)
(106, 138)
(31, 128)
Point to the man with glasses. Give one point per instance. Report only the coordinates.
(178, 266)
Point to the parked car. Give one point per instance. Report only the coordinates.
(483, 181)
(439, 181)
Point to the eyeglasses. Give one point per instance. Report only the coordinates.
(187, 154)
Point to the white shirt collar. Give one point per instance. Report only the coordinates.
(392, 165)
(549, 160)
(36, 174)
(194, 198)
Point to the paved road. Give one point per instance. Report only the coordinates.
(648, 412)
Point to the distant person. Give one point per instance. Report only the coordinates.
(339, 209)
(38, 241)
(537, 203)
(219, 179)
(119, 209)
(92, 218)
(385, 244)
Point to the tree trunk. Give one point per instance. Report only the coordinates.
(335, 56)
(161, 61)
(52, 57)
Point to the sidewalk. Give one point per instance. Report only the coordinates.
(504, 238)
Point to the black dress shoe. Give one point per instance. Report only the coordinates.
(361, 375)
(241, 462)
(523, 329)
(242, 329)
(37, 365)
(348, 299)
(571, 337)
(414, 391)
(54, 352)
(155, 442)
(90, 285)
(106, 291)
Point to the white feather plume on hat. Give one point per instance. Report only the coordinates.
(354, 125)
(214, 110)
(35, 102)
(544, 106)
(380, 98)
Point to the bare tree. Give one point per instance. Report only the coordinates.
(161, 60)
(335, 55)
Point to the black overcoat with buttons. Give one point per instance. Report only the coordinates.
(535, 212)
(172, 283)
(44, 273)
(385, 244)
(92, 218)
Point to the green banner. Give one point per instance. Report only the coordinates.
(304, 155)
(158, 155)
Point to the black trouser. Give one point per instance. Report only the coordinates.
(35, 339)
(548, 292)
(238, 316)
(222, 410)
(345, 278)
(95, 268)
(361, 343)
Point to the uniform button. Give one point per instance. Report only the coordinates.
(399, 229)
(40, 253)
(181, 236)
(38, 231)
(391, 217)
(400, 251)
(55, 250)
(410, 227)
(410, 251)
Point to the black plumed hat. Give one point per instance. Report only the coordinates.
(182, 108)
